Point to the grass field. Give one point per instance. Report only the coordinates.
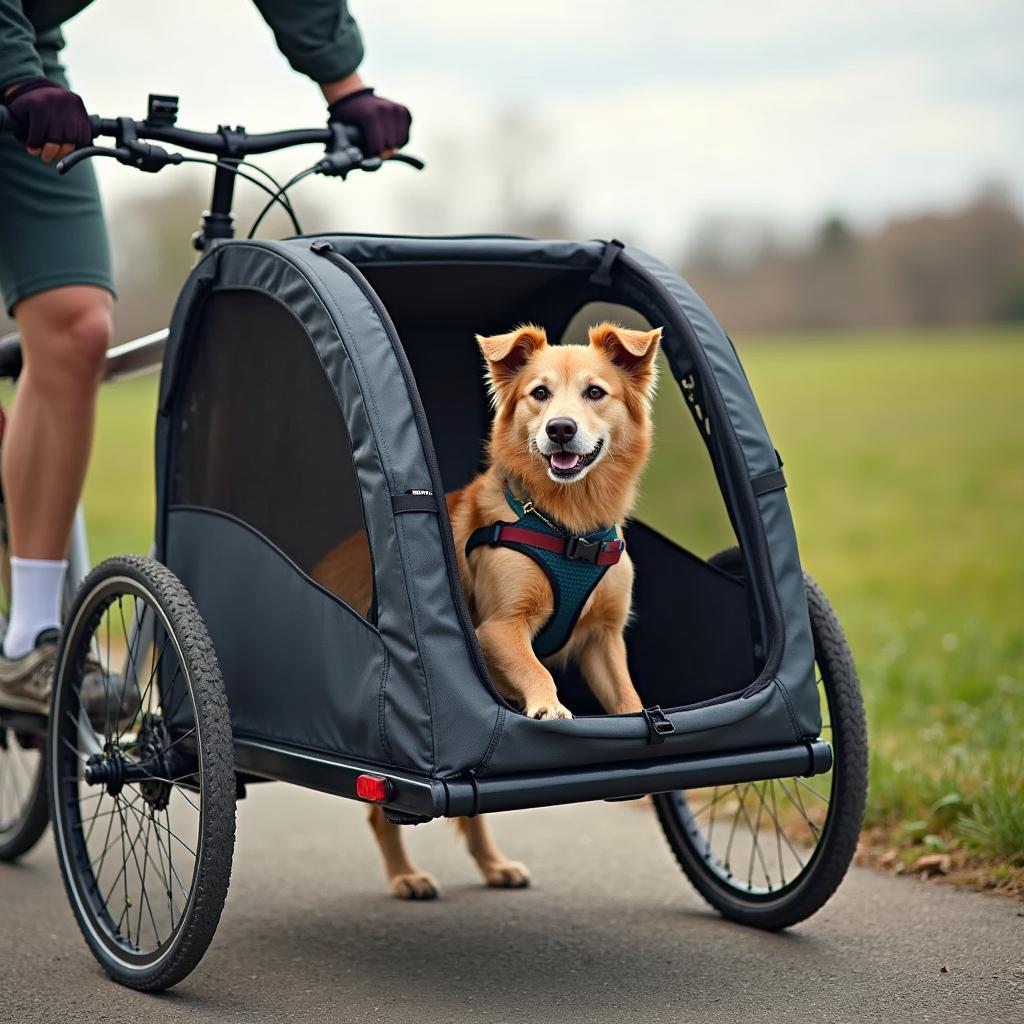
(905, 457)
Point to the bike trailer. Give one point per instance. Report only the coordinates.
(329, 388)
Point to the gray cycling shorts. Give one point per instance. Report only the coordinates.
(52, 231)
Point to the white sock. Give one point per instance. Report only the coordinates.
(36, 588)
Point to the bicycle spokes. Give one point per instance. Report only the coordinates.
(129, 774)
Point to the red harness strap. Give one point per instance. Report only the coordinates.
(608, 552)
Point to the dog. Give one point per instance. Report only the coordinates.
(571, 435)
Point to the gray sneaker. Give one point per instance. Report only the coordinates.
(26, 683)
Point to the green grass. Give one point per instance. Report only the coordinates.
(905, 458)
(119, 490)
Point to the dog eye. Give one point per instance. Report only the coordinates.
(540, 394)
(594, 392)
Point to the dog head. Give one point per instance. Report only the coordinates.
(569, 413)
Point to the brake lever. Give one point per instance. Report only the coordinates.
(77, 156)
(146, 157)
(405, 158)
(140, 155)
(340, 163)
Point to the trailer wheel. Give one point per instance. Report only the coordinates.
(143, 802)
(770, 854)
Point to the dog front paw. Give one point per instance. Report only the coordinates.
(547, 709)
(506, 874)
(414, 885)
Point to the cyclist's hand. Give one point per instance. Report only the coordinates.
(384, 123)
(49, 120)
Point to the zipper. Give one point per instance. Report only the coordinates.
(417, 238)
(745, 501)
(323, 248)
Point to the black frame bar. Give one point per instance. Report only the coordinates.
(425, 798)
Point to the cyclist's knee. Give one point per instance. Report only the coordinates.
(65, 334)
(86, 337)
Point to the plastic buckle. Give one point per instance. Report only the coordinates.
(618, 546)
(495, 537)
(658, 724)
(579, 549)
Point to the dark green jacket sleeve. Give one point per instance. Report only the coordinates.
(319, 37)
(18, 57)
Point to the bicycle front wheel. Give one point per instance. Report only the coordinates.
(142, 799)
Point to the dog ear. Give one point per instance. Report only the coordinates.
(507, 354)
(632, 351)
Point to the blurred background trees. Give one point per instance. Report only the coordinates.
(926, 268)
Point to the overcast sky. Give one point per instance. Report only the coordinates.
(650, 115)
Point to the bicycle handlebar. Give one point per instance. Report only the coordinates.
(226, 142)
(344, 144)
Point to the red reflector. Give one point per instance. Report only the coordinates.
(373, 788)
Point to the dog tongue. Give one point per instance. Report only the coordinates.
(565, 460)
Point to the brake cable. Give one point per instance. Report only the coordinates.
(280, 196)
(276, 198)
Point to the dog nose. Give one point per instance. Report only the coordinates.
(561, 430)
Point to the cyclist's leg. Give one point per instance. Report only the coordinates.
(65, 332)
(55, 277)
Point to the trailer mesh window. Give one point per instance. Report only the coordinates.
(261, 437)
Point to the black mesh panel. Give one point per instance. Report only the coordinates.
(261, 437)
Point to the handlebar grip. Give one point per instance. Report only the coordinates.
(102, 125)
(99, 125)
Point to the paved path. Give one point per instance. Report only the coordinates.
(610, 932)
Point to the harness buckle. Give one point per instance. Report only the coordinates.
(579, 549)
(658, 724)
(495, 536)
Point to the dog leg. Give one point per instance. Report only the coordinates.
(498, 871)
(405, 880)
(603, 662)
(517, 670)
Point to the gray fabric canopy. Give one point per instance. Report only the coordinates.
(311, 385)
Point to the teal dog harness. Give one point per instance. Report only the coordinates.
(574, 565)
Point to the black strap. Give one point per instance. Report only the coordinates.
(475, 808)
(413, 503)
(482, 535)
(603, 274)
(659, 725)
(773, 481)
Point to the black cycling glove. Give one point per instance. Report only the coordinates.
(44, 111)
(384, 123)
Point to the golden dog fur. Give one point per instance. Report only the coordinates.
(605, 388)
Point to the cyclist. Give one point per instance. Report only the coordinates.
(56, 281)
